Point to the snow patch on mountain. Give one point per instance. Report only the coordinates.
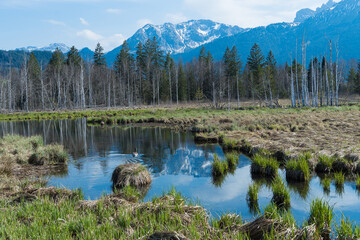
(51, 48)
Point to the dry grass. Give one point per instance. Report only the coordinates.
(135, 175)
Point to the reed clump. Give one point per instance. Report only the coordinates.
(264, 165)
(281, 194)
(321, 214)
(298, 170)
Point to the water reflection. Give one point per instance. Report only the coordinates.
(174, 160)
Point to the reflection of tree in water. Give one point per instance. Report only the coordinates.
(163, 150)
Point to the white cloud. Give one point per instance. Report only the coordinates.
(84, 22)
(113, 10)
(249, 13)
(90, 35)
(108, 42)
(54, 22)
(143, 22)
(176, 18)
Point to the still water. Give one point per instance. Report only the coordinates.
(174, 161)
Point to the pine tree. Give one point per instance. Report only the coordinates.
(256, 62)
(99, 56)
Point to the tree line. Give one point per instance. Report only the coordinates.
(151, 77)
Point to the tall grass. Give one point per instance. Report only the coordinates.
(347, 229)
(298, 170)
(281, 194)
(232, 161)
(358, 182)
(264, 165)
(321, 214)
(324, 164)
(253, 192)
(219, 167)
(339, 179)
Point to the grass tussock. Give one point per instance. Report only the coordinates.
(219, 167)
(232, 160)
(252, 194)
(321, 214)
(264, 165)
(281, 194)
(347, 229)
(135, 175)
(339, 179)
(324, 164)
(31, 150)
(298, 170)
(326, 182)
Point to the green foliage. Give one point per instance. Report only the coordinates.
(298, 166)
(264, 165)
(339, 179)
(347, 229)
(219, 167)
(253, 192)
(281, 194)
(321, 214)
(232, 161)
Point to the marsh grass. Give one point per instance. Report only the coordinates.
(347, 229)
(326, 182)
(321, 214)
(324, 164)
(22, 150)
(232, 161)
(339, 179)
(281, 194)
(264, 165)
(298, 170)
(252, 194)
(219, 167)
(358, 182)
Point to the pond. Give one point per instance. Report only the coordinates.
(174, 161)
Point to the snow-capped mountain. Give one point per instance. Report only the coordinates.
(306, 13)
(182, 37)
(51, 48)
(335, 21)
(177, 38)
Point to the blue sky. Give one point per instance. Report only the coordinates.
(83, 23)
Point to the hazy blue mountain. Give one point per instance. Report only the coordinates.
(51, 48)
(179, 38)
(340, 22)
(86, 54)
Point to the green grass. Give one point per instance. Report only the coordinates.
(264, 165)
(326, 184)
(298, 169)
(339, 179)
(324, 164)
(219, 167)
(347, 229)
(281, 194)
(232, 161)
(358, 181)
(321, 214)
(253, 192)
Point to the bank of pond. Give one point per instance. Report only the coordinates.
(231, 187)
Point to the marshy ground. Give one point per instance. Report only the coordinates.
(28, 208)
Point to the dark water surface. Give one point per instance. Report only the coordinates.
(174, 160)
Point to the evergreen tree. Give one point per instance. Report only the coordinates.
(256, 62)
(99, 56)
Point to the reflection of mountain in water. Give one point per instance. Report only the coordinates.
(164, 151)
